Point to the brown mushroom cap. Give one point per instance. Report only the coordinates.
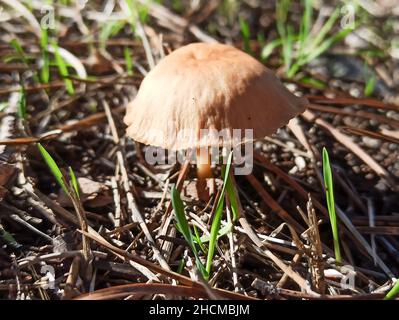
(208, 86)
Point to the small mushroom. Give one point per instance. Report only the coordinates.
(208, 86)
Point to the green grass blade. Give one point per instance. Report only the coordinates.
(74, 182)
(180, 216)
(18, 48)
(132, 15)
(288, 48)
(201, 267)
(313, 82)
(306, 22)
(63, 69)
(294, 68)
(55, 170)
(370, 85)
(197, 239)
(3, 105)
(393, 292)
(108, 30)
(328, 185)
(22, 103)
(181, 266)
(231, 195)
(321, 35)
(143, 12)
(282, 7)
(215, 228)
(222, 232)
(128, 60)
(326, 45)
(21, 55)
(269, 48)
(45, 71)
(246, 34)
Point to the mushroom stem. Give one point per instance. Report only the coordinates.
(204, 172)
(203, 164)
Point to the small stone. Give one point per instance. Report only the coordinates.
(371, 143)
(369, 176)
(300, 163)
(355, 41)
(355, 92)
(381, 186)
(392, 115)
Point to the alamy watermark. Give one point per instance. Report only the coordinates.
(348, 12)
(348, 279)
(48, 14)
(49, 273)
(48, 19)
(215, 147)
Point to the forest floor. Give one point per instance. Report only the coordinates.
(67, 71)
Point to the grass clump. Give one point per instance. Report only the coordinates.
(194, 239)
(184, 228)
(301, 46)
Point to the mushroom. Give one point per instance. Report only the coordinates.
(208, 86)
